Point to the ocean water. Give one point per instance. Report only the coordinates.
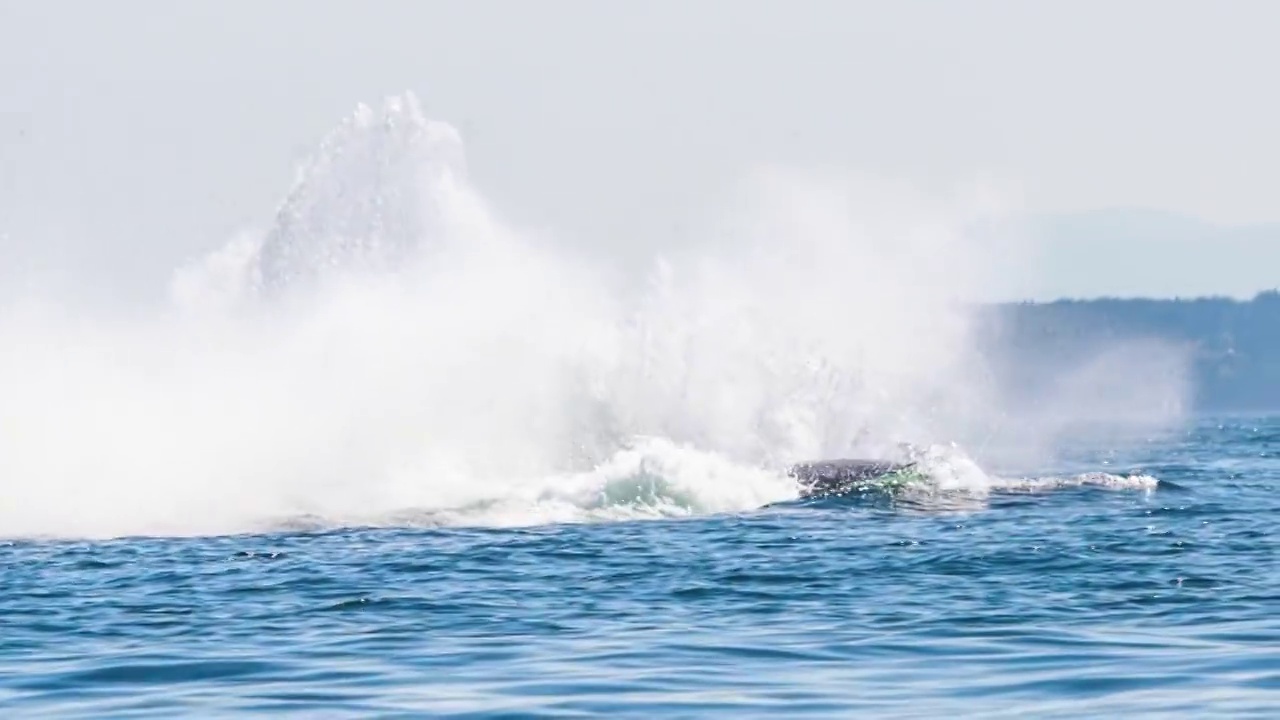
(390, 455)
(1067, 599)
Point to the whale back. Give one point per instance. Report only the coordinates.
(833, 478)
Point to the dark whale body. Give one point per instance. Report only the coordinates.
(835, 478)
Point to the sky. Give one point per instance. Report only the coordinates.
(135, 135)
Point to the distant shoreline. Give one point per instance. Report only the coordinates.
(1234, 344)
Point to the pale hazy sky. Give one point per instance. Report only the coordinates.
(135, 134)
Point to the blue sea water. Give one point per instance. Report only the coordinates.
(1077, 600)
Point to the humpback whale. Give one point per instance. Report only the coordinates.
(836, 478)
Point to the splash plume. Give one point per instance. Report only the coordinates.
(388, 348)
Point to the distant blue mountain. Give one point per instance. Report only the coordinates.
(1147, 253)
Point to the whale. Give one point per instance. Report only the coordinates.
(842, 477)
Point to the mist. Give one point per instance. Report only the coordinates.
(389, 349)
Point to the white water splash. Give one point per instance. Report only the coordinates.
(389, 347)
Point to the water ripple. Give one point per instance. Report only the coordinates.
(1080, 602)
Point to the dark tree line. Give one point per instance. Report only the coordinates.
(1235, 344)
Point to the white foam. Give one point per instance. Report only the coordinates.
(1102, 480)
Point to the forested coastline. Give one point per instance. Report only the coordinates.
(1234, 344)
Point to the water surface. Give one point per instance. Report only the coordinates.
(1069, 601)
